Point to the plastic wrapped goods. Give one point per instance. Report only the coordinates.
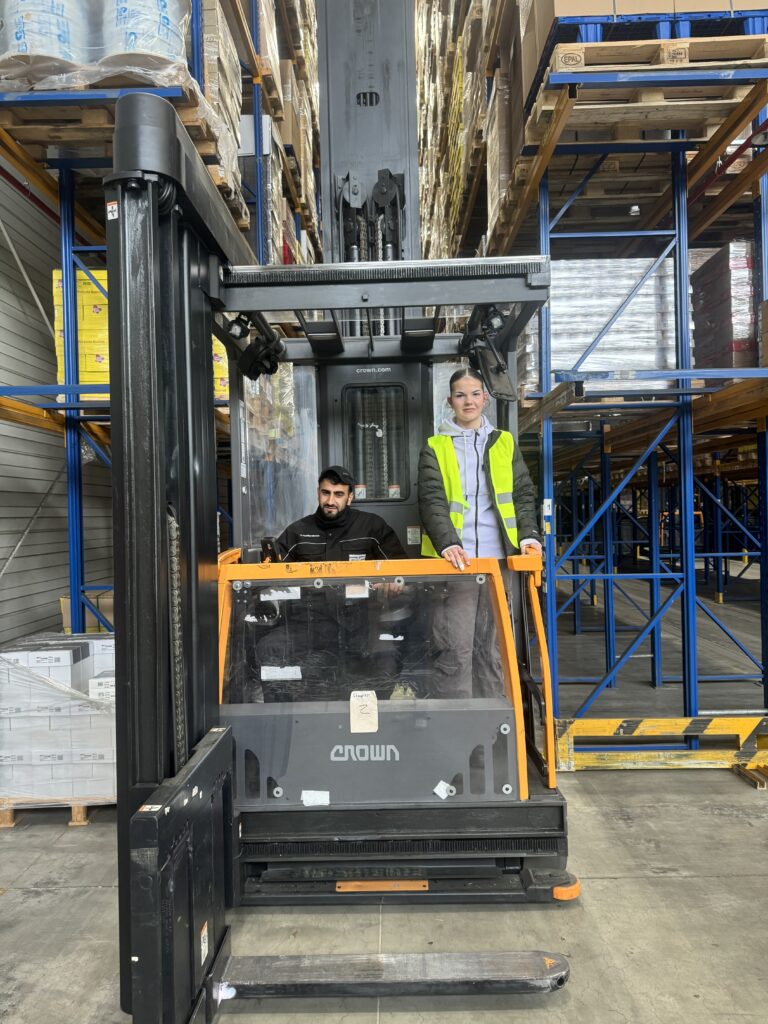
(724, 331)
(498, 146)
(136, 32)
(56, 743)
(58, 44)
(584, 296)
(282, 448)
(40, 38)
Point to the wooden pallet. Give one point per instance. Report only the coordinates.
(607, 114)
(79, 809)
(738, 51)
(271, 87)
(92, 128)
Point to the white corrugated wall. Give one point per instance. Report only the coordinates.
(31, 460)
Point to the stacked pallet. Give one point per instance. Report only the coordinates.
(297, 132)
(91, 291)
(521, 46)
(74, 47)
(724, 333)
(455, 180)
(452, 56)
(436, 52)
(269, 58)
(57, 718)
(643, 338)
(92, 329)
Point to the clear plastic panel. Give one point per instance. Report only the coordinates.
(376, 441)
(56, 743)
(309, 640)
(73, 44)
(585, 295)
(282, 447)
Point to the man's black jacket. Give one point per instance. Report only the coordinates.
(351, 536)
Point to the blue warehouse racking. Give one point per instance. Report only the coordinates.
(593, 484)
(84, 412)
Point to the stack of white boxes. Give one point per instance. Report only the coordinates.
(57, 720)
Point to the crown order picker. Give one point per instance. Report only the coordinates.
(240, 781)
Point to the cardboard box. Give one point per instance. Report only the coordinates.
(17, 657)
(91, 622)
(102, 686)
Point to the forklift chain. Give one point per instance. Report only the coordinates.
(177, 646)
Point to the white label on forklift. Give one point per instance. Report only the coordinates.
(443, 790)
(315, 797)
(112, 210)
(287, 594)
(394, 491)
(271, 673)
(361, 492)
(204, 943)
(356, 591)
(363, 711)
(413, 535)
(547, 507)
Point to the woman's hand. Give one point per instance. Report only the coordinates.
(531, 547)
(457, 556)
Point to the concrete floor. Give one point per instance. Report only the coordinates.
(674, 867)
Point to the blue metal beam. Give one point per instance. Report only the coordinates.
(685, 441)
(90, 275)
(261, 249)
(577, 191)
(609, 606)
(96, 447)
(672, 78)
(718, 622)
(82, 97)
(762, 473)
(630, 650)
(549, 525)
(704, 373)
(71, 377)
(654, 555)
(608, 501)
(627, 301)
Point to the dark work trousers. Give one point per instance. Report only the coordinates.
(465, 644)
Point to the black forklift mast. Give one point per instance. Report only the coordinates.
(175, 263)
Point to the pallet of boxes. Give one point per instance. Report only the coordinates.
(57, 724)
(92, 298)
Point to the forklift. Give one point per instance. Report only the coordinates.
(268, 768)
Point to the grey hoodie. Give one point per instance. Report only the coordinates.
(480, 537)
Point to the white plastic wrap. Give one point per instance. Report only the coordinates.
(60, 44)
(282, 448)
(51, 45)
(584, 296)
(56, 742)
(724, 309)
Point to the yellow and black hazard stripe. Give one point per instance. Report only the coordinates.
(729, 740)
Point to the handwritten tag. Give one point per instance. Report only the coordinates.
(363, 711)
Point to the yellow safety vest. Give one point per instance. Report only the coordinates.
(500, 457)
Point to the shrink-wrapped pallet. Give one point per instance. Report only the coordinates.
(57, 744)
(52, 45)
(581, 304)
(497, 148)
(724, 332)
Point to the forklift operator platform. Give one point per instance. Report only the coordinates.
(336, 682)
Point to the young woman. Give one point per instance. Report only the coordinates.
(476, 500)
